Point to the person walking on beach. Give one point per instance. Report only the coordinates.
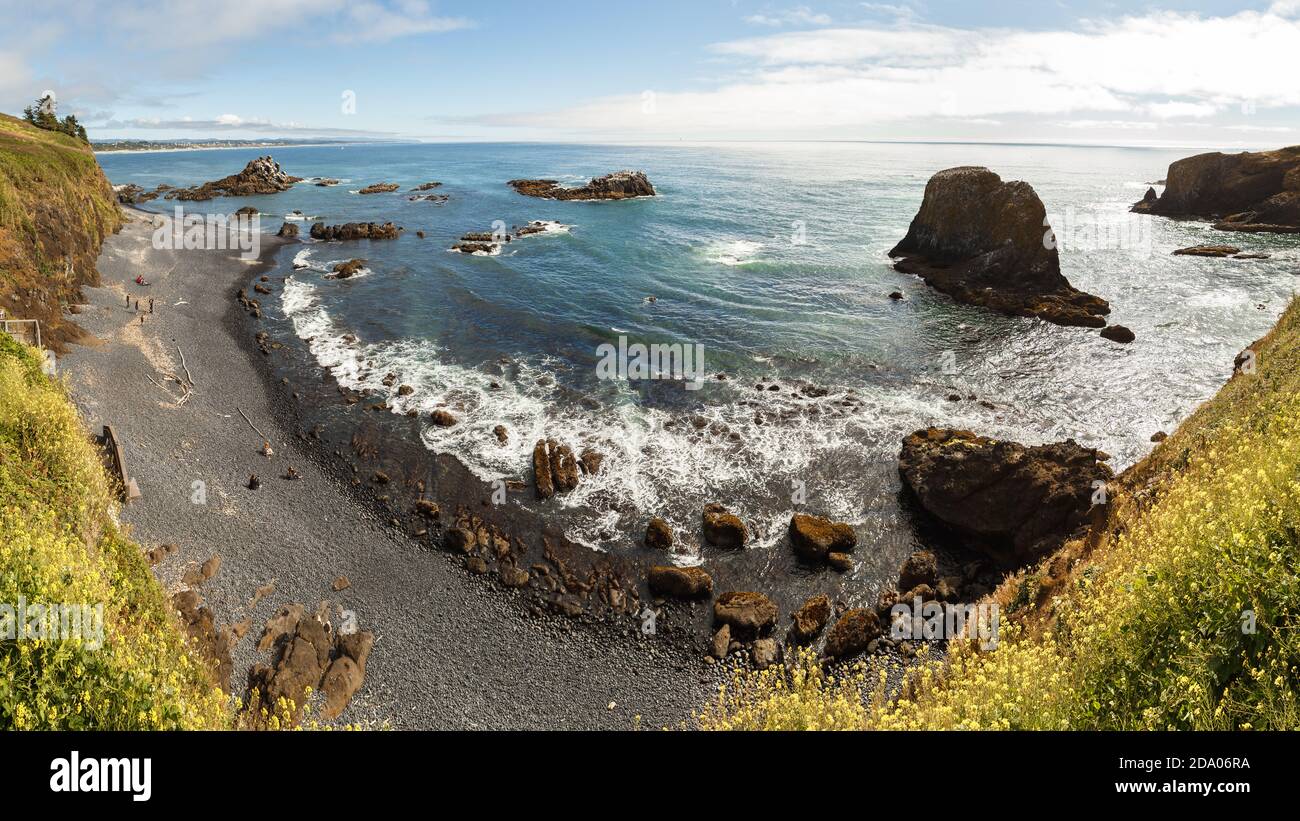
(150, 304)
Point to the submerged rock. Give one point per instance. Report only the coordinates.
(1014, 503)
(986, 242)
(620, 185)
(1118, 333)
(347, 269)
(658, 535)
(555, 468)
(1250, 191)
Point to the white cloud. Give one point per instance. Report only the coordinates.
(372, 22)
(800, 16)
(843, 81)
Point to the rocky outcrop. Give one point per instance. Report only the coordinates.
(380, 188)
(1013, 502)
(621, 185)
(815, 538)
(1118, 333)
(555, 468)
(288, 230)
(722, 528)
(1251, 191)
(309, 655)
(261, 176)
(680, 582)
(354, 231)
(986, 242)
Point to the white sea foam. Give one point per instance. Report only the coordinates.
(733, 252)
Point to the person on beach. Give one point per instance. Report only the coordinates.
(140, 280)
(151, 305)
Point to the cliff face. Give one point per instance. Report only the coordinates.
(984, 242)
(1254, 192)
(56, 208)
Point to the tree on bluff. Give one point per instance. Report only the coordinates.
(44, 114)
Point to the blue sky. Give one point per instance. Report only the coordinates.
(1180, 72)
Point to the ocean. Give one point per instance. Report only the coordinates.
(770, 260)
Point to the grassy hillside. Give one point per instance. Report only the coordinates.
(1183, 612)
(60, 544)
(56, 207)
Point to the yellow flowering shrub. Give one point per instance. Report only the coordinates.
(60, 545)
(1184, 615)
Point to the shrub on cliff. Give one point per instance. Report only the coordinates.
(59, 545)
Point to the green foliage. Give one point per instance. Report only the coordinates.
(59, 545)
(42, 115)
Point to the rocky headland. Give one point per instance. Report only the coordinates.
(621, 185)
(986, 242)
(261, 176)
(1255, 192)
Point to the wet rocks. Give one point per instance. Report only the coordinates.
(721, 642)
(380, 188)
(1118, 333)
(658, 535)
(722, 528)
(261, 176)
(347, 269)
(443, 418)
(811, 618)
(354, 231)
(918, 569)
(1249, 192)
(555, 468)
(620, 185)
(814, 537)
(428, 186)
(1013, 502)
(680, 582)
(746, 612)
(1217, 251)
(986, 242)
(855, 630)
(288, 230)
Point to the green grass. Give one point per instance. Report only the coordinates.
(59, 544)
(1141, 628)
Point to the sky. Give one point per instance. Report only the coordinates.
(1177, 72)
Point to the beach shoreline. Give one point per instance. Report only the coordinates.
(451, 650)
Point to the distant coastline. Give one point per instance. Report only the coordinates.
(165, 146)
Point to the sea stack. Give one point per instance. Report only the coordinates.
(1251, 191)
(986, 242)
(621, 185)
(261, 176)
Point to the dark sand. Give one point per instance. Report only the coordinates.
(452, 651)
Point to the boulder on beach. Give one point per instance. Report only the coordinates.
(621, 185)
(1012, 502)
(747, 613)
(680, 582)
(986, 242)
(853, 632)
(722, 528)
(261, 176)
(919, 568)
(814, 538)
(811, 617)
(1251, 191)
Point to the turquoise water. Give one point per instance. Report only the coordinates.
(772, 257)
